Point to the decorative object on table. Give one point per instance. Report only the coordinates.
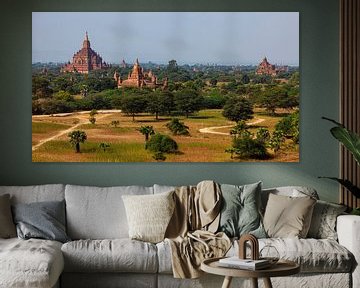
(269, 253)
(254, 246)
(351, 141)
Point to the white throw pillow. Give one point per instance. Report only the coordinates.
(149, 215)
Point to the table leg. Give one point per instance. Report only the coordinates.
(227, 282)
(267, 283)
(254, 282)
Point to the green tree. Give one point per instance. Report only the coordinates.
(188, 101)
(77, 137)
(238, 108)
(160, 103)
(177, 127)
(213, 82)
(133, 105)
(289, 126)
(146, 131)
(276, 140)
(263, 135)
(245, 79)
(240, 130)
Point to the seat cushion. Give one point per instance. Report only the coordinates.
(117, 255)
(313, 255)
(30, 263)
(98, 212)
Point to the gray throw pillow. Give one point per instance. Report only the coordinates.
(323, 222)
(7, 227)
(240, 213)
(44, 220)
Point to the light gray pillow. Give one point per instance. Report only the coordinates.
(43, 220)
(7, 226)
(323, 222)
(149, 215)
(240, 212)
(288, 217)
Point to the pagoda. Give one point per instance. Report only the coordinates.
(265, 68)
(138, 78)
(85, 60)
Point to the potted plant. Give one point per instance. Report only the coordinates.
(351, 141)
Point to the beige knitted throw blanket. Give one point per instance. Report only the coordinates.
(192, 230)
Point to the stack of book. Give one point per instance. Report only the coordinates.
(248, 264)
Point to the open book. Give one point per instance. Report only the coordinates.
(248, 264)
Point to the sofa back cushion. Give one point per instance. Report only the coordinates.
(35, 193)
(98, 212)
(290, 191)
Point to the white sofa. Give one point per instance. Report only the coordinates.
(101, 255)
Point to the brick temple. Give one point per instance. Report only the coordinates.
(265, 68)
(138, 78)
(85, 60)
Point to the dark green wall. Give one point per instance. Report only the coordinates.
(319, 97)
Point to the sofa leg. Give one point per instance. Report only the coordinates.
(267, 282)
(227, 282)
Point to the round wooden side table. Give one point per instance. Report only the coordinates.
(281, 268)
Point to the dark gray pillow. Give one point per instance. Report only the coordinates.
(44, 220)
(240, 213)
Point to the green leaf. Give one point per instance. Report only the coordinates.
(347, 184)
(348, 138)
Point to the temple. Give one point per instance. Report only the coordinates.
(85, 60)
(265, 68)
(138, 78)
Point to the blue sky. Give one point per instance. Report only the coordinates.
(222, 38)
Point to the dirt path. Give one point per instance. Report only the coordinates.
(83, 120)
(211, 130)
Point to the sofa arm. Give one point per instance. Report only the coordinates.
(348, 230)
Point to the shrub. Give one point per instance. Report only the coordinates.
(250, 148)
(161, 143)
(177, 127)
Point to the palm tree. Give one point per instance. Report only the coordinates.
(77, 137)
(147, 131)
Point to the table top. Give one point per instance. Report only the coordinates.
(281, 268)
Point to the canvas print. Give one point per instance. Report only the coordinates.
(165, 87)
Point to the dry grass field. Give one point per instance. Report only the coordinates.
(51, 143)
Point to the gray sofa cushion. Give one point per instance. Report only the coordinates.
(36, 193)
(98, 213)
(30, 263)
(323, 255)
(117, 255)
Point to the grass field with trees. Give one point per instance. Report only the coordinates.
(212, 113)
